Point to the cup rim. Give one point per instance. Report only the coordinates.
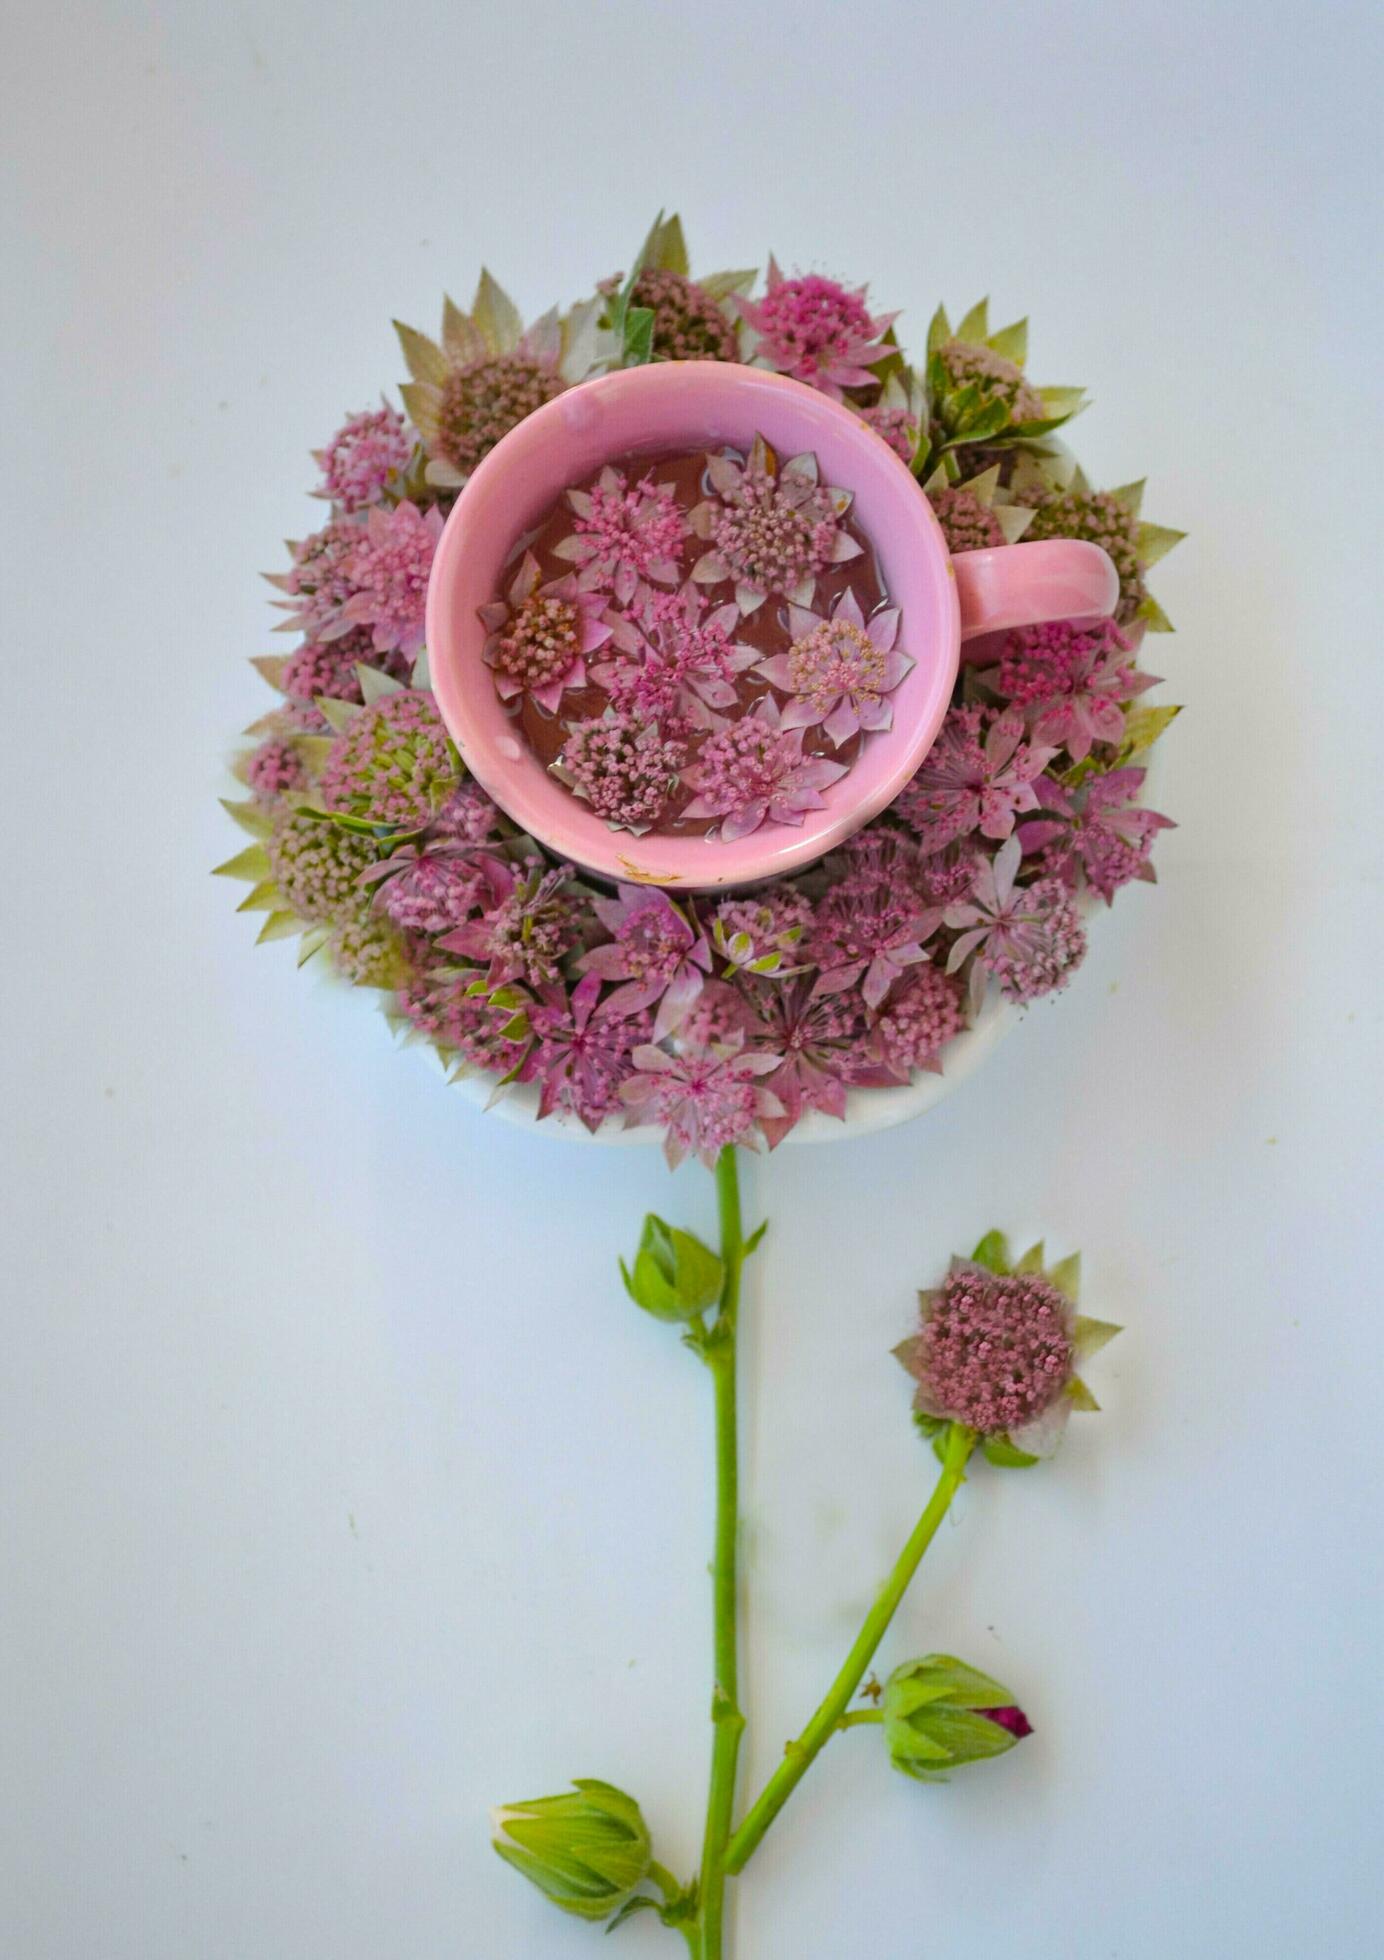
(904, 532)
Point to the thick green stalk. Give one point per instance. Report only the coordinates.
(799, 1755)
(727, 1721)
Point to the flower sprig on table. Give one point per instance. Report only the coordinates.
(995, 1363)
(371, 848)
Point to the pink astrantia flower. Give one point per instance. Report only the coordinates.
(330, 667)
(428, 888)
(537, 641)
(761, 935)
(1103, 830)
(967, 523)
(275, 768)
(461, 1023)
(655, 950)
(467, 817)
(978, 775)
(821, 1041)
(753, 770)
(580, 1053)
(996, 1352)
(706, 1099)
(923, 1012)
(817, 331)
(389, 570)
(674, 658)
(318, 583)
(532, 920)
(1029, 936)
(967, 363)
(897, 424)
(873, 922)
(1071, 682)
(367, 456)
(393, 764)
(772, 531)
(689, 323)
(625, 768)
(839, 670)
(625, 535)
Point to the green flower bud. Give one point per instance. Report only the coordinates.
(587, 1850)
(675, 1276)
(939, 1713)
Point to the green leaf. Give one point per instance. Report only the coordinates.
(977, 424)
(993, 1253)
(639, 337)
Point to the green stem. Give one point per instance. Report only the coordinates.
(858, 1717)
(727, 1721)
(799, 1755)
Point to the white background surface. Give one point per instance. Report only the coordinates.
(341, 1492)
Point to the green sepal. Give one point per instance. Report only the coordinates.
(961, 1737)
(338, 714)
(1011, 342)
(1066, 1276)
(975, 325)
(279, 925)
(252, 864)
(1090, 1336)
(263, 897)
(1143, 726)
(270, 667)
(423, 358)
(1155, 541)
(939, 330)
(977, 424)
(1153, 615)
(641, 1902)
(752, 1242)
(674, 1276)
(1080, 1396)
(1030, 1261)
(993, 1253)
(311, 943)
(934, 1719)
(251, 816)
(1002, 1453)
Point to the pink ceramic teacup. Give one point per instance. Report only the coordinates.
(707, 404)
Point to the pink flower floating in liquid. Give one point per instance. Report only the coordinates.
(698, 643)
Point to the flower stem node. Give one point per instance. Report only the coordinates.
(588, 1850)
(939, 1713)
(674, 1276)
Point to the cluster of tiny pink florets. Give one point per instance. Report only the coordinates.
(624, 767)
(367, 456)
(995, 1351)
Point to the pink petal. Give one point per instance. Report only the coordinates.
(844, 720)
(883, 629)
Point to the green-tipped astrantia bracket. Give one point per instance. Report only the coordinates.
(674, 1276)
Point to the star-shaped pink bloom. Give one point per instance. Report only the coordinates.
(839, 670)
(539, 637)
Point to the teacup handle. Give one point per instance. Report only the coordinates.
(1026, 584)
